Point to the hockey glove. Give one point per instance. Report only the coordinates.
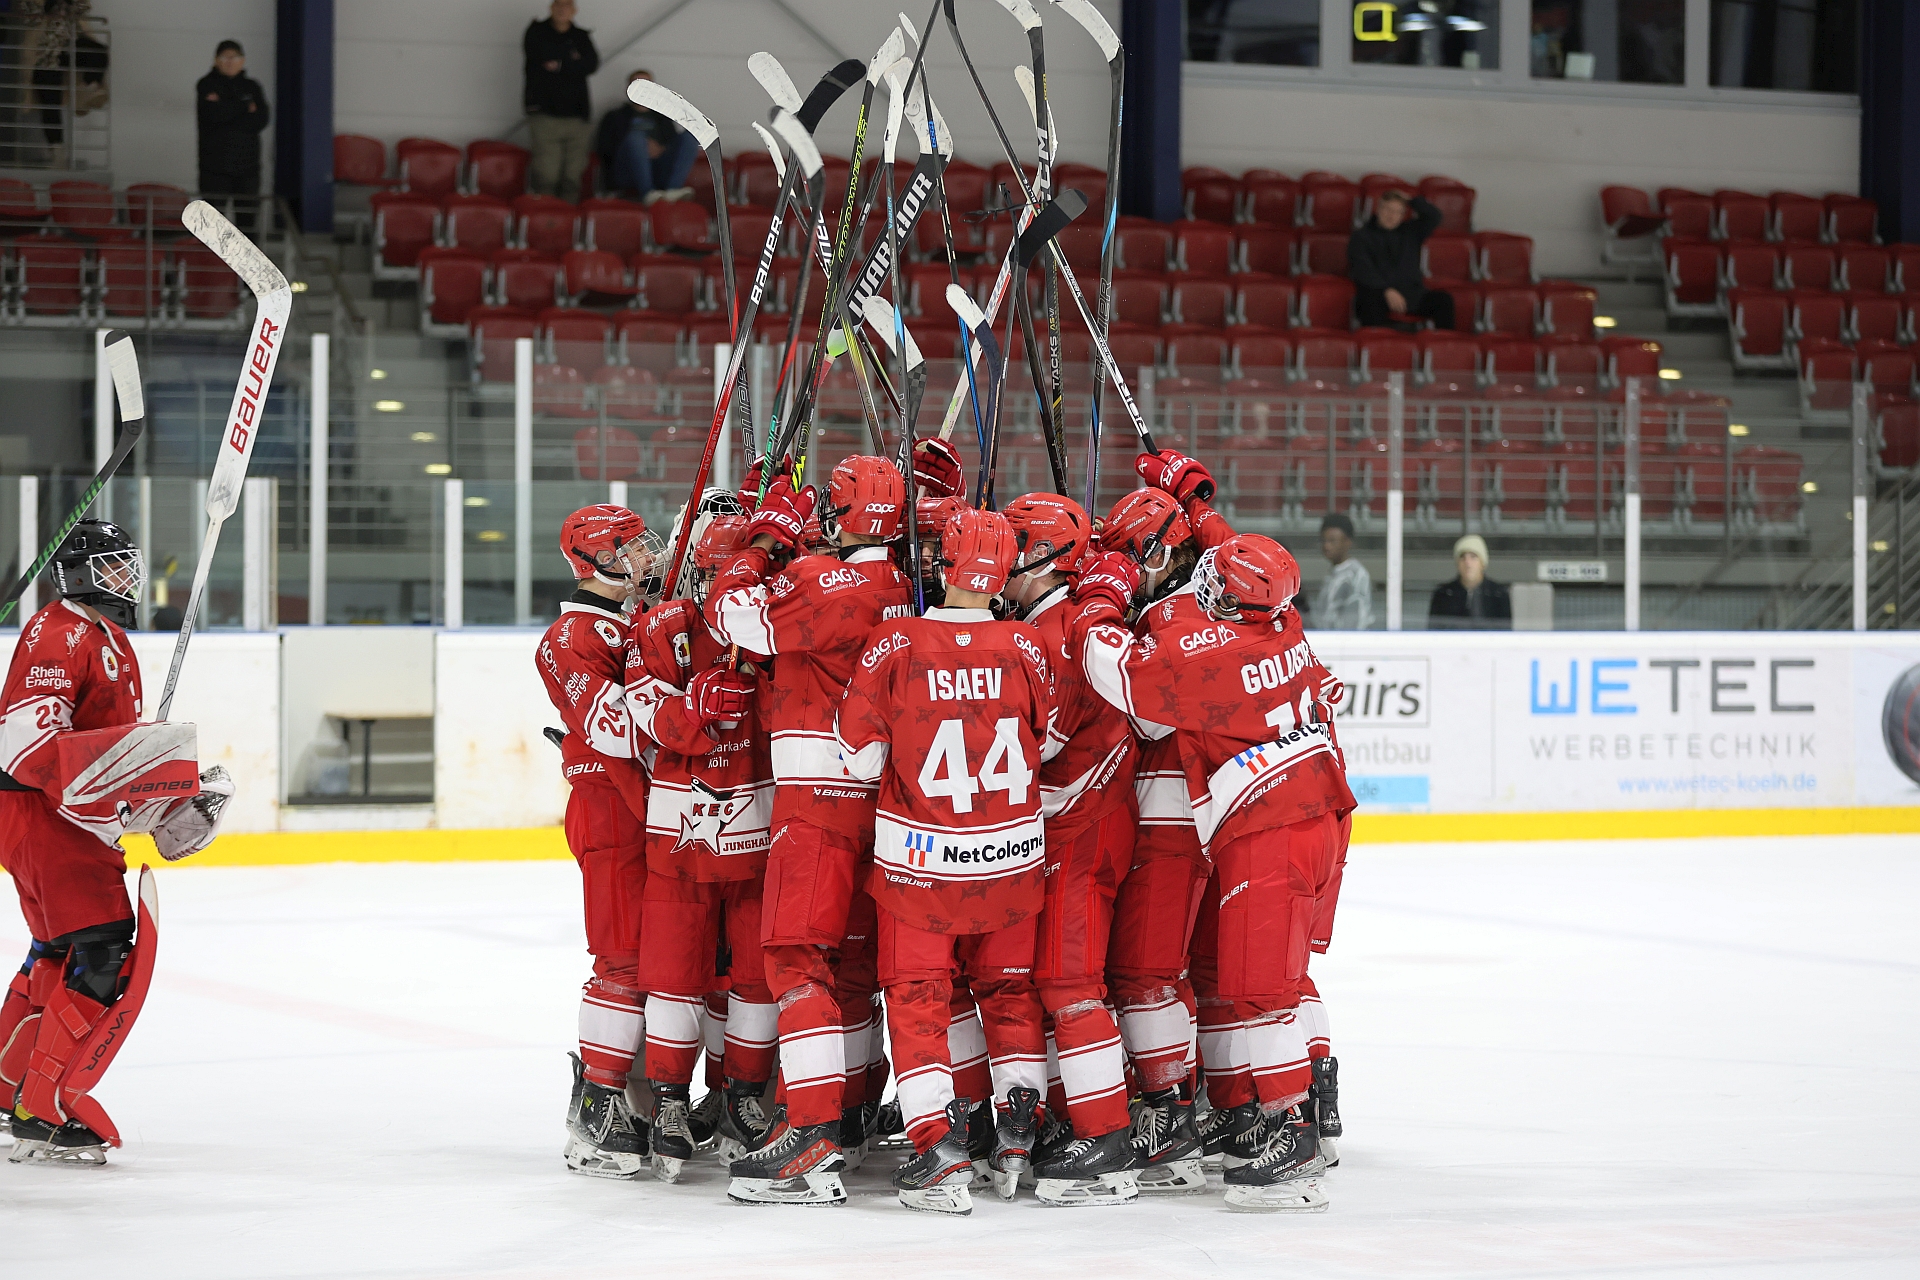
(193, 823)
(719, 696)
(1173, 472)
(783, 515)
(1107, 586)
(936, 469)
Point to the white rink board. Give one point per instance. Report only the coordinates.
(1682, 1058)
(1476, 723)
(491, 765)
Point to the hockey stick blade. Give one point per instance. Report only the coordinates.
(1023, 13)
(657, 97)
(1096, 24)
(1048, 223)
(123, 364)
(774, 79)
(879, 316)
(836, 82)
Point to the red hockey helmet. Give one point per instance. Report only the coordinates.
(1246, 574)
(723, 537)
(865, 497)
(1144, 516)
(1052, 532)
(977, 550)
(606, 542)
(930, 516)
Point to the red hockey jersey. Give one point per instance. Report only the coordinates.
(1088, 761)
(69, 672)
(1254, 736)
(948, 713)
(710, 800)
(582, 660)
(813, 618)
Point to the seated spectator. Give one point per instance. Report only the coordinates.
(1383, 260)
(1472, 601)
(1345, 600)
(643, 153)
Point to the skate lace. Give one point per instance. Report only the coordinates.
(1153, 1129)
(1077, 1148)
(672, 1118)
(752, 1115)
(1278, 1146)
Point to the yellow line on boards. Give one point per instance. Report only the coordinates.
(287, 848)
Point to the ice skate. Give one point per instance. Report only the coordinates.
(37, 1142)
(1015, 1132)
(853, 1137)
(672, 1131)
(742, 1123)
(1166, 1146)
(937, 1179)
(794, 1166)
(1055, 1134)
(604, 1138)
(1235, 1134)
(980, 1139)
(890, 1127)
(1281, 1179)
(1325, 1095)
(703, 1120)
(1088, 1171)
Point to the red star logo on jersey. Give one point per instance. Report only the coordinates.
(707, 814)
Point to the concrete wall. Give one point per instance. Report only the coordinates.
(1538, 164)
(160, 48)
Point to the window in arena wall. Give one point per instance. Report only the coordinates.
(1786, 44)
(1626, 41)
(1427, 33)
(1280, 33)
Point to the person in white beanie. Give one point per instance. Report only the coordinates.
(1472, 601)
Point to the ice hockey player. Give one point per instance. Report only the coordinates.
(582, 661)
(73, 671)
(1268, 794)
(949, 713)
(709, 809)
(1086, 795)
(812, 619)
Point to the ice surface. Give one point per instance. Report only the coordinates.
(1588, 1059)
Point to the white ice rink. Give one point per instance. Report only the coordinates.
(1694, 1058)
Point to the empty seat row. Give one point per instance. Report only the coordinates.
(1837, 218)
(45, 278)
(1700, 273)
(1828, 371)
(1318, 200)
(1767, 326)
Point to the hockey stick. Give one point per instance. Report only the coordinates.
(1089, 17)
(244, 418)
(886, 322)
(1033, 84)
(980, 330)
(124, 365)
(1073, 286)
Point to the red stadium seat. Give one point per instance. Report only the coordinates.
(1689, 215)
(525, 283)
(1749, 264)
(403, 225)
(1630, 220)
(1827, 373)
(647, 340)
(132, 279)
(574, 337)
(1567, 309)
(1447, 359)
(1273, 202)
(428, 168)
(752, 179)
(596, 275)
(359, 160)
(631, 395)
(1574, 364)
(1816, 315)
(966, 185)
(1740, 215)
(1133, 348)
(1874, 317)
(1629, 357)
(1509, 309)
(1323, 253)
(613, 226)
(1140, 298)
(156, 200)
(1203, 248)
(1330, 202)
(209, 290)
(89, 208)
(1269, 250)
(1504, 258)
(1455, 201)
(1267, 357)
(452, 284)
(547, 224)
(1202, 356)
(1906, 267)
(1447, 257)
(491, 333)
(1864, 268)
(1325, 302)
(1081, 242)
(1145, 248)
(497, 169)
(1201, 301)
(1890, 370)
(1851, 219)
(1896, 421)
(1210, 199)
(613, 453)
(1769, 483)
(1796, 217)
(1805, 265)
(1512, 361)
(1326, 358)
(666, 283)
(1269, 303)
(476, 224)
(685, 225)
(1385, 351)
(1692, 277)
(559, 391)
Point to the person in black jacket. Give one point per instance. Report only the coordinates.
(644, 153)
(232, 110)
(1383, 260)
(559, 58)
(1472, 601)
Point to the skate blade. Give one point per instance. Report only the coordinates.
(667, 1168)
(854, 1156)
(1075, 1193)
(1175, 1178)
(944, 1197)
(1302, 1195)
(1006, 1182)
(814, 1188)
(31, 1151)
(588, 1160)
(982, 1174)
(727, 1150)
(1329, 1151)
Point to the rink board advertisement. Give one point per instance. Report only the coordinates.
(1610, 721)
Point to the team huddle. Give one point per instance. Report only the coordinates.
(1075, 831)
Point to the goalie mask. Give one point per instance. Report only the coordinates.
(99, 565)
(716, 505)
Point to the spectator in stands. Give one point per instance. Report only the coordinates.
(1345, 599)
(232, 110)
(1472, 601)
(560, 57)
(644, 153)
(1383, 260)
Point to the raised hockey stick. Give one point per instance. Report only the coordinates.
(244, 417)
(886, 322)
(124, 365)
(1049, 387)
(980, 330)
(1086, 15)
(1073, 286)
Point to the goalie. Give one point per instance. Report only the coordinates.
(80, 772)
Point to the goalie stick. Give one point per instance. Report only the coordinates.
(244, 418)
(124, 365)
(1086, 15)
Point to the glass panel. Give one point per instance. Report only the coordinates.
(1787, 44)
(1284, 33)
(1427, 33)
(1634, 41)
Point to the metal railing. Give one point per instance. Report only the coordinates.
(56, 90)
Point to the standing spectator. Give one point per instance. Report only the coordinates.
(1383, 259)
(1345, 601)
(560, 57)
(1472, 601)
(643, 152)
(233, 114)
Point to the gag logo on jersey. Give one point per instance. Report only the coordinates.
(839, 579)
(878, 653)
(1206, 638)
(1032, 650)
(48, 678)
(1271, 673)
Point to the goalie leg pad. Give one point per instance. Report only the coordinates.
(27, 995)
(95, 959)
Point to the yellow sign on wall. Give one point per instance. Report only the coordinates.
(1373, 20)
